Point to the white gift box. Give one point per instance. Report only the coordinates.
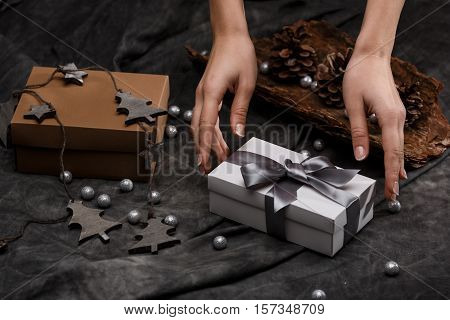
(313, 220)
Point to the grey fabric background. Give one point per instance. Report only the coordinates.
(148, 36)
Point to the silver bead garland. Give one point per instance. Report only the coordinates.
(134, 216)
(126, 185)
(171, 220)
(220, 243)
(154, 197)
(103, 201)
(394, 206)
(174, 111)
(318, 295)
(305, 154)
(306, 82)
(264, 67)
(171, 131)
(187, 115)
(318, 145)
(391, 268)
(65, 176)
(87, 193)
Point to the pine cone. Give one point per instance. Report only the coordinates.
(290, 59)
(412, 101)
(329, 77)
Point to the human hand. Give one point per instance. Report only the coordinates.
(231, 66)
(369, 87)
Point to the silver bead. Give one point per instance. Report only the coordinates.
(187, 115)
(171, 220)
(87, 193)
(373, 118)
(171, 131)
(305, 154)
(264, 67)
(174, 111)
(318, 295)
(134, 216)
(220, 243)
(126, 185)
(394, 206)
(318, 145)
(204, 52)
(103, 201)
(346, 113)
(306, 82)
(65, 176)
(391, 268)
(154, 197)
(314, 85)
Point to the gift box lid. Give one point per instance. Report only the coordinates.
(88, 112)
(311, 208)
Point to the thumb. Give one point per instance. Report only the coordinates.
(239, 108)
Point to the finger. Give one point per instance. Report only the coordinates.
(393, 153)
(219, 138)
(239, 107)
(196, 119)
(403, 174)
(212, 96)
(358, 123)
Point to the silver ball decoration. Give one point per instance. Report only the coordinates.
(187, 115)
(394, 206)
(171, 220)
(306, 82)
(305, 154)
(103, 201)
(204, 52)
(391, 268)
(65, 176)
(171, 131)
(318, 145)
(87, 193)
(134, 216)
(126, 185)
(373, 118)
(154, 197)
(318, 295)
(314, 85)
(174, 111)
(220, 243)
(264, 67)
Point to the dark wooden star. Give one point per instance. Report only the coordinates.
(40, 112)
(153, 237)
(137, 109)
(90, 221)
(72, 74)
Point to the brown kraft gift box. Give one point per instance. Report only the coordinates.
(99, 144)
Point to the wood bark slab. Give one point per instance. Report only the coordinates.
(427, 139)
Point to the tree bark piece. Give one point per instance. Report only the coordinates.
(428, 138)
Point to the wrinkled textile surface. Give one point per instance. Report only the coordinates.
(148, 36)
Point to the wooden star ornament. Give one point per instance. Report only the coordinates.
(40, 112)
(137, 109)
(72, 74)
(90, 221)
(153, 237)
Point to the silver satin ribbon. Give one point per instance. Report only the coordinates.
(318, 172)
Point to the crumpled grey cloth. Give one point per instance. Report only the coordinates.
(148, 36)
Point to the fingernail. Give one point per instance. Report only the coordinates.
(396, 189)
(404, 174)
(240, 130)
(360, 154)
(199, 160)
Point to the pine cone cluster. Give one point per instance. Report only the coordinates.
(412, 101)
(291, 58)
(329, 77)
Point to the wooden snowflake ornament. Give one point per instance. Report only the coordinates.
(153, 237)
(137, 109)
(90, 221)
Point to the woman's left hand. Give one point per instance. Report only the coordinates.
(368, 88)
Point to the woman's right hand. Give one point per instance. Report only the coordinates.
(232, 66)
